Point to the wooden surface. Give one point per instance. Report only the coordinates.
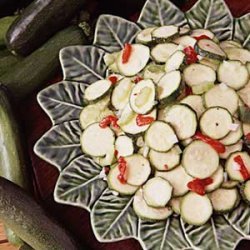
(4, 244)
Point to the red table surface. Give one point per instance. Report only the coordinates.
(35, 123)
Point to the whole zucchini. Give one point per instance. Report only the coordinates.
(38, 22)
(5, 23)
(28, 220)
(42, 64)
(7, 61)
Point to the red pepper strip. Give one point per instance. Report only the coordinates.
(137, 79)
(247, 136)
(110, 119)
(126, 52)
(113, 79)
(116, 152)
(122, 168)
(198, 38)
(218, 146)
(243, 169)
(142, 120)
(191, 55)
(188, 91)
(198, 185)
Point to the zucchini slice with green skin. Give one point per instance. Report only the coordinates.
(175, 204)
(110, 58)
(230, 44)
(195, 102)
(146, 212)
(202, 88)
(215, 122)
(245, 191)
(159, 186)
(164, 161)
(200, 160)
(137, 60)
(142, 97)
(108, 159)
(234, 136)
(183, 119)
(154, 72)
(97, 90)
(162, 51)
(138, 169)
(224, 200)
(222, 96)
(197, 74)
(208, 48)
(175, 61)
(160, 136)
(200, 32)
(124, 146)
(196, 209)
(185, 41)
(233, 169)
(116, 185)
(178, 179)
(248, 67)
(97, 141)
(231, 149)
(244, 94)
(230, 184)
(184, 30)
(145, 36)
(238, 76)
(165, 33)
(121, 93)
(242, 55)
(168, 87)
(212, 63)
(217, 178)
(244, 113)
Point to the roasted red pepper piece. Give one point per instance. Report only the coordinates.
(191, 55)
(126, 53)
(142, 120)
(137, 79)
(113, 79)
(110, 119)
(243, 169)
(218, 146)
(188, 91)
(198, 185)
(201, 37)
(122, 166)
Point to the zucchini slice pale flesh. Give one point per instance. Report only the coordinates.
(230, 44)
(231, 149)
(240, 54)
(244, 93)
(217, 178)
(185, 41)
(201, 32)
(175, 204)
(145, 36)
(195, 102)
(154, 72)
(245, 191)
(165, 33)
(175, 61)
(124, 146)
(162, 51)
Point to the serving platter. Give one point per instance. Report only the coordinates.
(80, 182)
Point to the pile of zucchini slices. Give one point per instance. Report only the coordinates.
(170, 123)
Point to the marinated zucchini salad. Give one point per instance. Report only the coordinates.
(170, 123)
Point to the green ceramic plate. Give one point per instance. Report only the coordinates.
(80, 182)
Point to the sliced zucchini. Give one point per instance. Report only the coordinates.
(183, 119)
(146, 212)
(244, 113)
(164, 161)
(233, 169)
(160, 136)
(233, 136)
(202, 32)
(137, 60)
(154, 72)
(231, 149)
(142, 97)
(110, 61)
(196, 209)
(108, 159)
(159, 186)
(197, 75)
(185, 41)
(127, 121)
(161, 52)
(212, 63)
(145, 36)
(224, 200)
(222, 96)
(248, 67)
(218, 178)
(165, 33)
(210, 49)
(186, 142)
(200, 160)
(238, 76)
(168, 87)
(245, 191)
(178, 178)
(116, 185)
(124, 146)
(215, 122)
(230, 184)
(121, 93)
(97, 90)
(202, 88)
(242, 55)
(138, 169)
(175, 61)
(230, 44)
(175, 204)
(184, 30)
(195, 102)
(244, 94)
(246, 129)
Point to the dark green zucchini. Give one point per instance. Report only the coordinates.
(7, 60)
(38, 22)
(27, 219)
(42, 64)
(5, 23)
